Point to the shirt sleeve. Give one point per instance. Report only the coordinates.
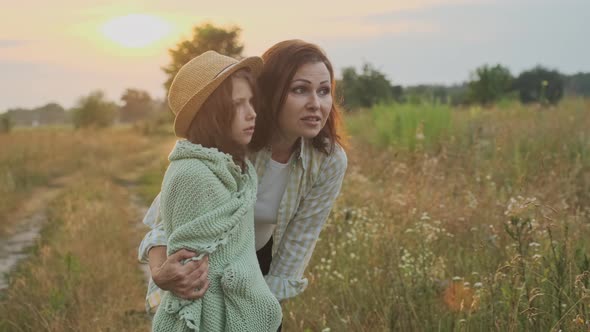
(285, 278)
(156, 236)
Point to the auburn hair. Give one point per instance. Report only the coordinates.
(281, 62)
(211, 126)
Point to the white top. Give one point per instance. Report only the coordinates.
(270, 192)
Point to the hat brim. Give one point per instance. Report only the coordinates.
(185, 116)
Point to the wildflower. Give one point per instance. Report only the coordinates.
(519, 205)
(472, 201)
(457, 297)
(478, 285)
(420, 131)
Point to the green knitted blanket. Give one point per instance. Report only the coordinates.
(207, 206)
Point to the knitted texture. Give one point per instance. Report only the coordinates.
(207, 206)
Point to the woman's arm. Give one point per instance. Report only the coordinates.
(156, 236)
(188, 281)
(167, 272)
(285, 278)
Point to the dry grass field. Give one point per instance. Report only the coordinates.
(449, 220)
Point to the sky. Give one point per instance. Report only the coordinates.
(61, 50)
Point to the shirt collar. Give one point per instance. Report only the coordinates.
(303, 145)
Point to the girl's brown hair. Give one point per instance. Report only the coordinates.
(211, 127)
(281, 62)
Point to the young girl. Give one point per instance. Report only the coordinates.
(208, 195)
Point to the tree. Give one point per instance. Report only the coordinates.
(94, 111)
(426, 93)
(6, 123)
(51, 113)
(48, 114)
(137, 105)
(365, 89)
(578, 84)
(489, 84)
(205, 37)
(540, 85)
(397, 92)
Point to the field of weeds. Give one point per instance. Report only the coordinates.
(449, 220)
(457, 220)
(82, 274)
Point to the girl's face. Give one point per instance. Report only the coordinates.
(242, 127)
(308, 103)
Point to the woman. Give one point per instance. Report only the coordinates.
(298, 156)
(207, 198)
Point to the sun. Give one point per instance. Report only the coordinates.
(136, 30)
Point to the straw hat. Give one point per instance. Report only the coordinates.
(197, 79)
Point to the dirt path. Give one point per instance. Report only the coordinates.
(30, 218)
(129, 180)
(139, 211)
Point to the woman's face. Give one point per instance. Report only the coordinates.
(242, 127)
(308, 103)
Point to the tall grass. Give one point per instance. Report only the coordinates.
(83, 273)
(510, 144)
(448, 220)
(403, 126)
(31, 158)
(482, 229)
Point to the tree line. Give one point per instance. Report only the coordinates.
(356, 89)
(93, 110)
(487, 85)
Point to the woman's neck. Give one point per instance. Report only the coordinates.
(282, 149)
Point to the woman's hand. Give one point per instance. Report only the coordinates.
(187, 281)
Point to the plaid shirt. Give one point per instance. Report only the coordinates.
(313, 185)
